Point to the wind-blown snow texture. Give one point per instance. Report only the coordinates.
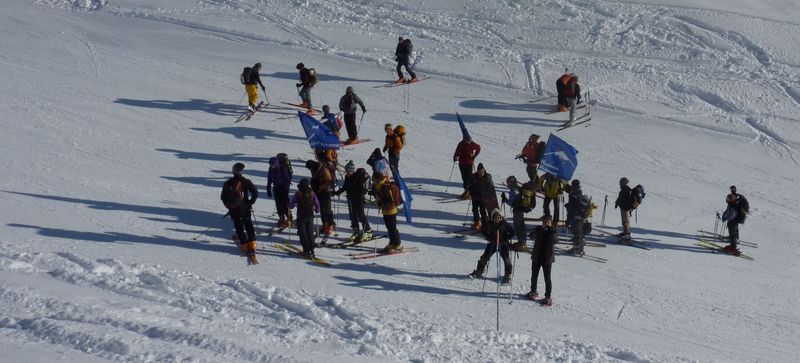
(118, 133)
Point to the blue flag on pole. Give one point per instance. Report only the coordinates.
(404, 193)
(464, 132)
(319, 136)
(559, 159)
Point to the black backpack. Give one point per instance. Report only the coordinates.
(233, 193)
(637, 195)
(742, 208)
(540, 151)
(245, 76)
(312, 74)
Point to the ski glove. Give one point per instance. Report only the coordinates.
(298, 84)
(363, 110)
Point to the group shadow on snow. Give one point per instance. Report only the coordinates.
(485, 104)
(249, 133)
(324, 78)
(529, 120)
(215, 108)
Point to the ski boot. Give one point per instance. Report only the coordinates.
(392, 249)
(547, 301)
(412, 80)
(354, 236)
(476, 274)
(576, 251)
(250, 248)
(400, 80)
(281, 222)
(729, 249)
(465, 195)
(476, 225)
(532, 295)
(251, 108)
(366, 236)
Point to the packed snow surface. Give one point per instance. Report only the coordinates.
(118, 131)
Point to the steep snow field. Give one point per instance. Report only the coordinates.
(118, 131)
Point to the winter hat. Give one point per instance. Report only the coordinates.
(533, 137)
(282, 156)
(480, 166)
(511, 180)
(304, 185)
(326, 109)
(576, 183)
(623, 181)
(237, 168)
(350, 166)
(733, 189)
(349, 90)
(300, 66)
(496, 211)
(273, 161)
(387, 126)
(258, 65)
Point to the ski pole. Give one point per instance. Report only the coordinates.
(451, 177)
(636, 215)
(255, 221)
(603, 220)
(209, 228)
(511, 282)
(467, 212)
(497, 252)
(360, 122)
(242, 99)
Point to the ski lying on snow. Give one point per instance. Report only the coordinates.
(630, 242)
(568, 125)
(380, 252)
(565, 252)
(719, 249)
(292, 250)
(725, 239)
(587, 244)
(356, 142)
(356, 243)
(393, 84)
(297, 105)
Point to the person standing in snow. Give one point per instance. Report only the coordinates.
(542, 257)
(561, 84)
(625, 204)
(307, 204)
(497, 232)
(355, 185)
(238, 195)
(308, 79)
(347, 104)
(576, 213)
(395, 140)
(572, 92)
(530, 156)
(552, 188)
(322, 184)
(514, 200)
(375, 160)
(465, 154)
(481, 190)
(279, 179)
(251, 82)
(388, 199)
(402, 55)
(733, 216)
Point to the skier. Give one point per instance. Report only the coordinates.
(466, 152)
(552, 187)
(279, 179)
(572, 92)
(322, 185)
(481, 189)
(395, 140)
(561, 83)
(576, 213)
(355, 185)
(330, 120)
(514, 200)
(251, 82)
(308, 79)
(497, 232)
(347, 104)
(307, 204)
(625, 204)
(734, 215)
(542, 257)
(373, 161)
(530, 156)
(238, 195)
(402, 55)
(387, 198)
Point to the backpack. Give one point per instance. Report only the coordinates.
(233, 193)
(637, 194)
(390, 196)
(527, 197)
(362, 182)
(742, 208)
(245, 76)
(312, 76)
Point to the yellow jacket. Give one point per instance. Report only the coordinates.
(552, 188)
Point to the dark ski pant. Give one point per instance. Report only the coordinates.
(404, 63)
(556, 209)
(243, 223)
(326, 213)
(548, 284)
(390, 220)
(491, 248)
(733, 233)
(478, 208)
(305, 95)
(305, 230)
(466, 173)
(282, 201)
(576, 227)
(350, 125)
(519, 225)
(394, 161)
(531, 171)
(355, 207)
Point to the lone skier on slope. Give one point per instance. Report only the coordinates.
(279, 179)
(307, 204)
(402, 55)
(498, 231)
(308, 79)
(734, 215)
(561, 84)
(251, 82)
(347, 104)
(572, 92)
(625, 204)
(238, 195)
(542, 257)
(465, 154)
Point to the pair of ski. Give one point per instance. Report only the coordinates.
(578, 107)
(291, 249)
(578, 121)
(586, 244)
(354, 243)
(624, 241)
(395, 84)
(380, 252)
(725, 239)
(719, 249)
(568, 252)
(249, 114)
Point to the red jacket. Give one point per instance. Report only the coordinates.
(529, 152)
(466, 152)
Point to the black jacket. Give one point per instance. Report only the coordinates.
(624, 198)
(489, 231)
(245, 196)
(480, 187)
(403, 50)
(305, 77)
(347, 104)
(255, 77)
(354, 185)
(574, 203)
(544, 245)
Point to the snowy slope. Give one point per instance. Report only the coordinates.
(118, 132)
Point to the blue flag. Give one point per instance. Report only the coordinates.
(559, 159)
(464, 132)
(319, 136)
(404, 193)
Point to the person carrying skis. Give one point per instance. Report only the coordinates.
(373, 159)
(465, 154)
(514, 200)
(322, 185)
(530, 156)
(395, 140)
(330, 120)
(387, 198)
(561, 84)
(542, 257)
(279, 179)
(308, 79)
(307, 204)
(625, 204)
(497, 232)
(552, 187)
(734, 215)
(572, 92)
(576, 213)
(402, 55)
(481, 188)
(347, 104)
(238, 195)
(355, 185)
(251, 82)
